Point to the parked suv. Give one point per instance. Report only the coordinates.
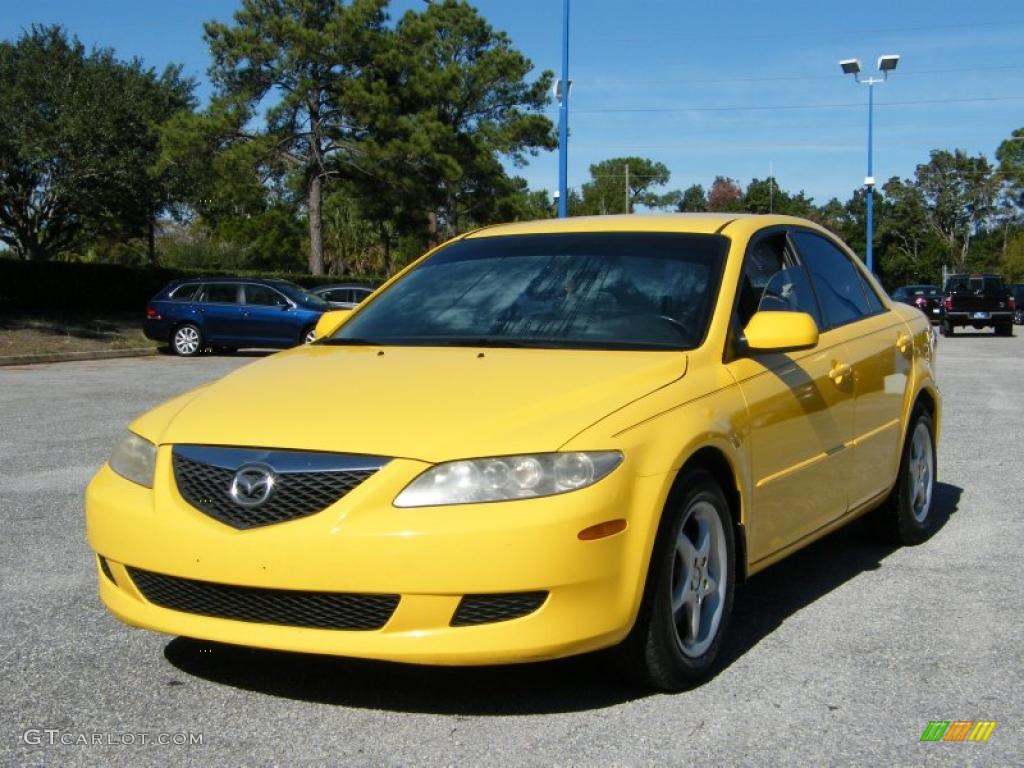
(228, 313)
(977, 301)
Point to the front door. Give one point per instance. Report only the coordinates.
(800, 408)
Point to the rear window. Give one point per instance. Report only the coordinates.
(975, 285)
(183, 292)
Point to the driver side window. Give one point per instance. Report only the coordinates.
(772, 281)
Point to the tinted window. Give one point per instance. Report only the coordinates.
(836, 281)
(606, 291)
(768, 284)
(263, 296)
(220, 293)
(183, 292)
(300, 295)
(977, 285)
(874, 303)
(338, 294)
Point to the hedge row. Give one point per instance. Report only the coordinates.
(53, 286)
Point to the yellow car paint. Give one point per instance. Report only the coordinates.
(803, 441)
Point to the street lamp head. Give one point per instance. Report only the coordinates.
(850, 66)
(888, 62)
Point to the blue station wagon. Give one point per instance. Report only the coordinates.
(226, 314)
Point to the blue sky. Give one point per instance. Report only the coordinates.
(706, 88)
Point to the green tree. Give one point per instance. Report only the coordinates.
(766, 196)
(1010, 155)
(614, 181)
(693, 200)
(310, 65)
(909, 252)
(959, 191)
(463, 103)
(77, 163)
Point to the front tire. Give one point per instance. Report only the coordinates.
(906, 517)
(689, 591)
(308, 335)
(187, 340)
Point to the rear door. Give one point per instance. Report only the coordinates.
(221, 312)
(880, 351)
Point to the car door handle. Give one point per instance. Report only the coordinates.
(903, 341)
(839, 373)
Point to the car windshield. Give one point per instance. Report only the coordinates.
(299, 294)
(586, 290)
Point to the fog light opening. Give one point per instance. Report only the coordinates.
(602, 530)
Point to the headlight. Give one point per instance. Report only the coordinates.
(135, 459)
(503, 478)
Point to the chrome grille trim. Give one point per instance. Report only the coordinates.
(305, 482)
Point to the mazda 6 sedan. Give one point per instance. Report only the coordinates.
(540, 439)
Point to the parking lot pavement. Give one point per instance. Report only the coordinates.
(840, 655)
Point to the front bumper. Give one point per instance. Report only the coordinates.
(429, 557)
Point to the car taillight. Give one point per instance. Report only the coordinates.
(921, 302)
(948, 303)
(1011, 303)
(152, 314)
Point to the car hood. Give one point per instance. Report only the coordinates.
(430, 404)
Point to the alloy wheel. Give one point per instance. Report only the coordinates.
(920, 472)
(699, 578)
(186, 340)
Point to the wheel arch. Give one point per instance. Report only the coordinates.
(183, 322)
(716, 463)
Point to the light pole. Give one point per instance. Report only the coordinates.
(886, 64)
(562, 92)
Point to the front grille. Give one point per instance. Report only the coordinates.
(486, 609)
(319, 610)
(206, 486)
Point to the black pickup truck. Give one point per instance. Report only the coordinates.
(977, 301)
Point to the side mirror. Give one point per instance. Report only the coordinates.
(780, 332)
(331, 321)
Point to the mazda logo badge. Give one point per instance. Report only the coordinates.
(252, 485)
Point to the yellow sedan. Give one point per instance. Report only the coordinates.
(540, 439)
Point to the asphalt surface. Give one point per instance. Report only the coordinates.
(840, 655)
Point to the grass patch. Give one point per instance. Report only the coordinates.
(41, 333)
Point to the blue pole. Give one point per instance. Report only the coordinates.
(563, 120)
(870, 185)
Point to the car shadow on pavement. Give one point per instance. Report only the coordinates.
(567, 685)
(773, 595)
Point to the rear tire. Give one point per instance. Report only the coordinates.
(689, 592)
(907, 517)
(186, 340)
(947, 329)
(1004, 329)
(308, 335)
